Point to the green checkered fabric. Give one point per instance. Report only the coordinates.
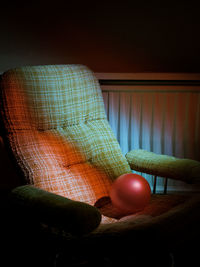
(57, 129)
(53, 96)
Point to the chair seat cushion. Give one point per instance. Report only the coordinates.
(79, 162)
(159, 204)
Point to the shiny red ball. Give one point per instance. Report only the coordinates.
(130, 193)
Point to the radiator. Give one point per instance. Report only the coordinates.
(161, 116)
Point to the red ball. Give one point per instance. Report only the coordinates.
(130, 193)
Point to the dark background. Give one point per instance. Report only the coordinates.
(107, 37)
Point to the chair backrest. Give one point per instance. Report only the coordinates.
(56, 126)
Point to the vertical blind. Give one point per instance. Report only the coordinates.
(161, 119)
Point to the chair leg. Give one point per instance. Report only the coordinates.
(154, 184)
(172, 260)
(165, 186)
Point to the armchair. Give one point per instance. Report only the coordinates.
(57, 132)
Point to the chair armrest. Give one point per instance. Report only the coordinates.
(34, 204)
(186, 170)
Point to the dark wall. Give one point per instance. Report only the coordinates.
(108, 37)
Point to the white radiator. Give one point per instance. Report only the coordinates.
(162, 116)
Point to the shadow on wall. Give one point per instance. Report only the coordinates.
(108, 37)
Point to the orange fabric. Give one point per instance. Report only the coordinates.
(59, 167)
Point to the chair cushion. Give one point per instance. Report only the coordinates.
(57, 129)
(46, 97)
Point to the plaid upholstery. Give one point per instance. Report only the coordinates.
(37, 96)
(57, 129)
